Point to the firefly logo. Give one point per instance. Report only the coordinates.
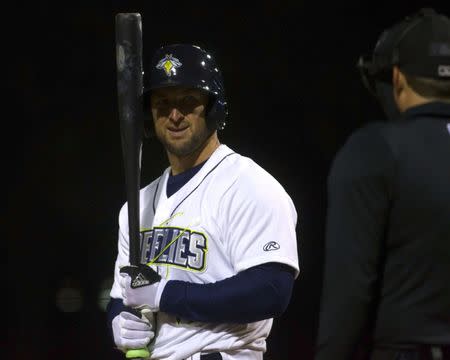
(169, 64)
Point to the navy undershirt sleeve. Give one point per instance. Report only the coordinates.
(114, 308)
(258, 293)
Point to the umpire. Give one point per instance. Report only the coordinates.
(387, 248)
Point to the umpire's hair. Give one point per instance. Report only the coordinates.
(430, 88)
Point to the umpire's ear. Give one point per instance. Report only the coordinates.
(400, 88)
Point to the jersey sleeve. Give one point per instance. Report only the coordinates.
(358, 204)
(122, 258)
(258, 219)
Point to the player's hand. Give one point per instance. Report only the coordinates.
(146, 291)
(132, 332)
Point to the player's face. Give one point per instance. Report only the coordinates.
(179, 117)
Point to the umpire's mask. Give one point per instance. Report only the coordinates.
(419, 45)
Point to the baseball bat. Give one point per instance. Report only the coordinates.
(129, 91)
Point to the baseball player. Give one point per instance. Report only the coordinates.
(218, 230)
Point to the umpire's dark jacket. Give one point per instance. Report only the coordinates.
(387, 251)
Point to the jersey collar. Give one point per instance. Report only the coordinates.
(435, 109)
(174, 201)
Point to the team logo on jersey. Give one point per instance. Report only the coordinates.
(271, 245)
(169, 64)
(174, 246)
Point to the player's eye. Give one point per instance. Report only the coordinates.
(189, 100)
(161, 103)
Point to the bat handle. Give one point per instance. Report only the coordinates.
(137, 354)
(142, 353)
(151, 276)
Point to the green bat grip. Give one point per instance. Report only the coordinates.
(142, 353)
(137, 353)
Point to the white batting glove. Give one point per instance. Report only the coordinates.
(132, 332)
(147, 296)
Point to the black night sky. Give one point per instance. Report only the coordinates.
(294, 95)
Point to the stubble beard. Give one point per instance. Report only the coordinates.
(186, 147)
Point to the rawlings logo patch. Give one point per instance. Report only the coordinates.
(272, 245)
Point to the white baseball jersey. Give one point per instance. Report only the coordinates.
(230, 216)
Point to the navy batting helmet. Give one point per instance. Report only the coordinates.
(189, 66)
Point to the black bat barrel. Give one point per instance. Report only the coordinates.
(129, 90)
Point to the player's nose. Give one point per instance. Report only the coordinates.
(175, 115)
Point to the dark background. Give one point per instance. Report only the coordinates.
(294, 94)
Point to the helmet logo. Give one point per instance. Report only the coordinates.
(169, 64)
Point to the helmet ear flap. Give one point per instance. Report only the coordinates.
(216, 112)
(219, 113)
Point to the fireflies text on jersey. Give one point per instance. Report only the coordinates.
(187, 248)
